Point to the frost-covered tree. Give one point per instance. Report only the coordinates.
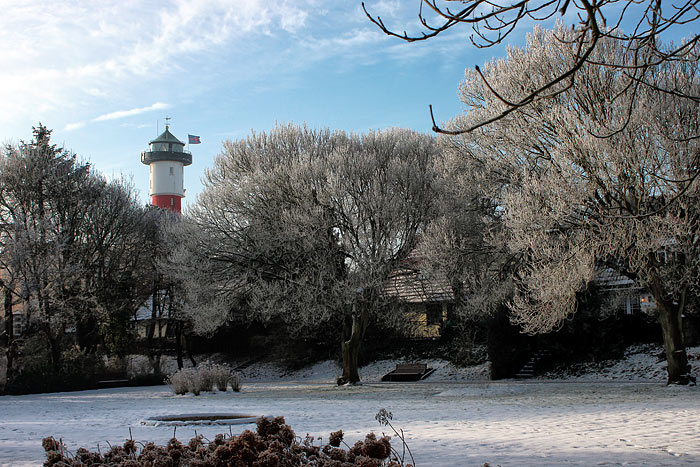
(118, 235)
(603, 173)
(167, 294)
(460, 241)
(42, 186)
(304, 226)
(71, 244)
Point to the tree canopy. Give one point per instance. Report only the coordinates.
(304, 226)
(600, 175)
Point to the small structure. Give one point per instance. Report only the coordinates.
(408, 372)
(426, 300)
(166, 160)
(631, 296)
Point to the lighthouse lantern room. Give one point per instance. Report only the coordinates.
(166, 159)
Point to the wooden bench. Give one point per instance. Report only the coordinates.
(408, 372)
(112, 380)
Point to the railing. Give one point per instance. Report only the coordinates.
(152, 156)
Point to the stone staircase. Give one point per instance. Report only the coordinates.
(531, 366)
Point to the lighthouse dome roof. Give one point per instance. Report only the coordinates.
(167, 137)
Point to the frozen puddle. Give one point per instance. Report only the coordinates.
(200, 419)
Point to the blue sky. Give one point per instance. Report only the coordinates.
(104, 74)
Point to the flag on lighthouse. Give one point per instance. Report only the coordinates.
(192, 139)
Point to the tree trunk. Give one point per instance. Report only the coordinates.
(9, 332)
(178, 344)
(671, 320)
(151, 327)
(354, 327)
(154, 354)
(55, 347)
(188, 346)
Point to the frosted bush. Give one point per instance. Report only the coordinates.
(178, 381)
(222, 375)
(206, 372)
(235, 382)
(203, 378)
(194, 382)
(138, 365)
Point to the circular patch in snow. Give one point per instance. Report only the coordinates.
(200, 419)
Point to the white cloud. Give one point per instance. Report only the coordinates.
(69, 56)
(117, 115)
(292, 19)
(130, 112)
(74, 126)
(385, 8)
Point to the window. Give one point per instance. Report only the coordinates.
(18, 323)
(172, 201)
(172, 170)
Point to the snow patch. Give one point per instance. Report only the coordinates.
(640, 363)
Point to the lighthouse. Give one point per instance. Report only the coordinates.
(166, 160)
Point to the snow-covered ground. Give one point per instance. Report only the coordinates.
(456, 417)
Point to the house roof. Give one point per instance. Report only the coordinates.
(608, 278)
(409, 285)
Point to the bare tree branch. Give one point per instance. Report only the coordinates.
(493, 22)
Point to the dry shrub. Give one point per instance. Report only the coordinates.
(273, 444)
(235, 382)
(206, 376)
(222, 375)
(203, 378)
(193, 380)
(178, 381)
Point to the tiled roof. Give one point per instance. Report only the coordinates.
(608, 278)
(409, 285)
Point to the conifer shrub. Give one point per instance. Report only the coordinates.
(273, 444)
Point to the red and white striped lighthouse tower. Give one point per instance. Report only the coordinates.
(166, 159)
